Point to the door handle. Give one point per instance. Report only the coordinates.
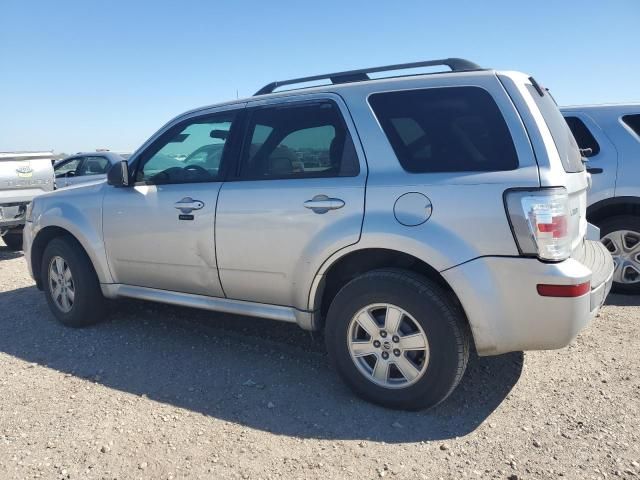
(594, 170)
(322, 204)
(188, 204)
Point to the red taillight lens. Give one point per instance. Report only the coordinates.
(557, 227)
(564, 290)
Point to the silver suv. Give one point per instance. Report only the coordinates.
(609, 136)
(405, 216)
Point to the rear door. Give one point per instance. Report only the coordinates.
(297, 196)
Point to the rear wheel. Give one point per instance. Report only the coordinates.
(621, 236)
(71, 284)
(13, 240)
(397, 339)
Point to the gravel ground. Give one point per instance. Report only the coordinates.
(162, 392)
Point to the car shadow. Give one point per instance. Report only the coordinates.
(265, 375)
(6, 254)
(623, 300)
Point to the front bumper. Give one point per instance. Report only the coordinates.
(505, 311)
(12, 215)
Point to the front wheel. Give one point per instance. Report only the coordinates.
(13, 240)
(621, 236)
(71, 284)
(397, 339)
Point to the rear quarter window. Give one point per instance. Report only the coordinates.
(583, 136)
(450, 129)
(633, 122)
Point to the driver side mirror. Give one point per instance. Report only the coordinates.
(118, 175)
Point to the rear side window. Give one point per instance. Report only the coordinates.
(633, 121)
(452, 129)
(562, 136)
(306, 140)
(583, 136)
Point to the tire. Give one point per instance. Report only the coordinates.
(631, 224)
(88, 305)
(423, 305)
(13, 240)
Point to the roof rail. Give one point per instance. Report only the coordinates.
(455, 64)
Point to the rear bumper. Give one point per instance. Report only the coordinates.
(505, 311)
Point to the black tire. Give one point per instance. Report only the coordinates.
(436, 312)
(13, 240)
(613, 224)
(89, 304)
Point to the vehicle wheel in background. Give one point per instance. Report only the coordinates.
(13, 240)
(397, 339)
(71, 284)
(621, 236)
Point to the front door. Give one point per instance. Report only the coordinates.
(297, 197)
(159, 233)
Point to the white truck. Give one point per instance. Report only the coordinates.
(23, 175)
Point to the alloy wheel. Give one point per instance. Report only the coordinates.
(388, 346)
(61, 285)
(624, 246)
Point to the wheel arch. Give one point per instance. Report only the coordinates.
(356, 262)
(44, 236)
(612, 207)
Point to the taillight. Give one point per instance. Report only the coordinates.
(539, 220)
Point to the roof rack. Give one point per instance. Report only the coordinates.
(455, 64)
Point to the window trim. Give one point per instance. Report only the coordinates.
(290, 102)
(160, 139)
(521, 164)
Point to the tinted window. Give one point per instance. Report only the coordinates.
(583, 136)
(562, 136)
(298, 141)
(452, 129)
(93, 166)
(633, 121)
(190, 152)
(66, 166)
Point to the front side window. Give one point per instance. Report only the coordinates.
(68, 166)
(298, 141)
(633, 121)
(93, 166)
(583, 136)
(191, 152)
(451, 129)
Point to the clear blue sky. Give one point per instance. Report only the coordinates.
(77, 75)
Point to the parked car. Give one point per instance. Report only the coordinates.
(85, 167)
(403, 216)
(609, 136)
(23, 175)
